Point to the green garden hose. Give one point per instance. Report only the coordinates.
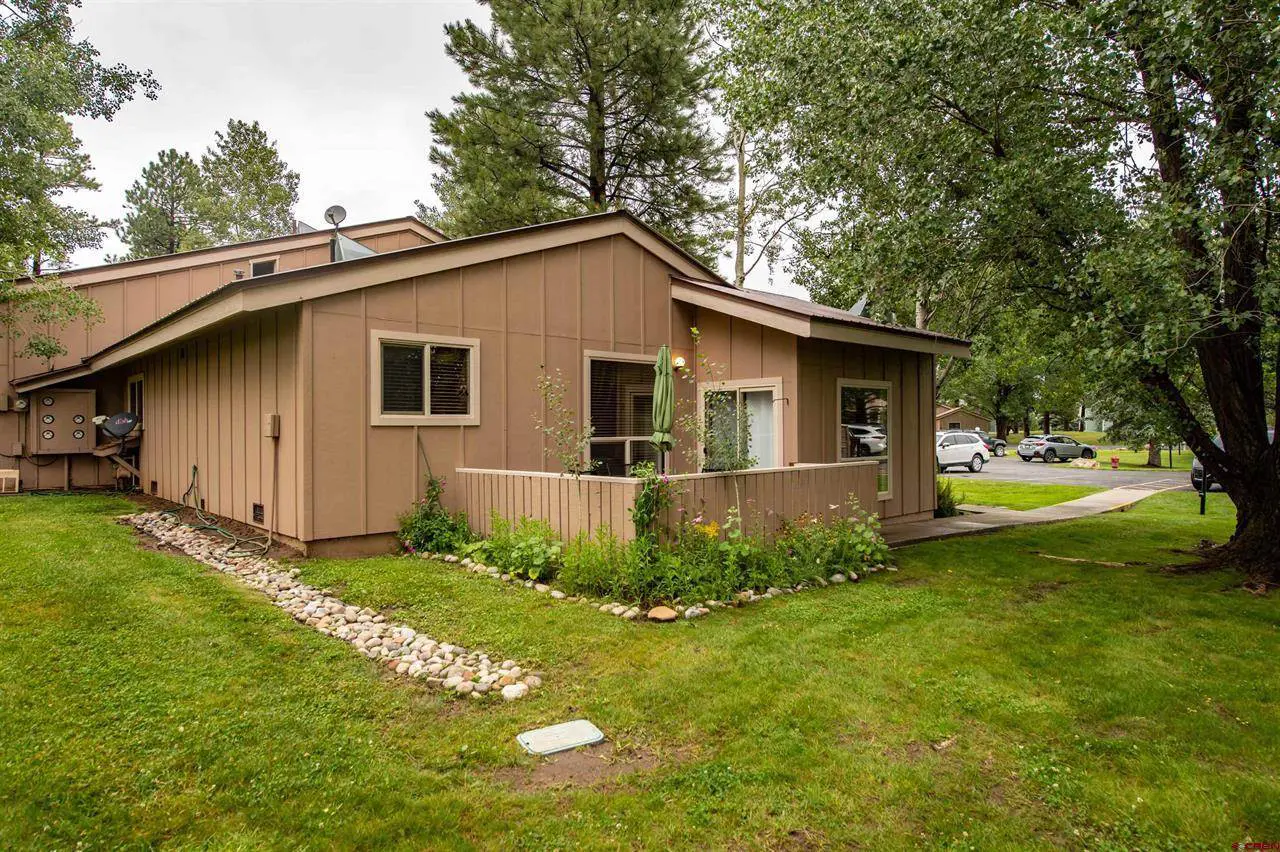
(239, 546)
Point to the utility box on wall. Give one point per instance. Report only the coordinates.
(61, 422)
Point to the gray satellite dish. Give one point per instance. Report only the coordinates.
(335, 214)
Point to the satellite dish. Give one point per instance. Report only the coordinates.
(335, 214)
(119, 425)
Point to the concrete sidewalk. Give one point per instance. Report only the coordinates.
(981, 519)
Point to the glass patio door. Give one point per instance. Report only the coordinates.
(740, 423)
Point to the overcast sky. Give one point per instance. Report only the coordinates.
(340, 86)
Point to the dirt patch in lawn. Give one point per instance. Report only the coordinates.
(591, 766)
(1039, 591)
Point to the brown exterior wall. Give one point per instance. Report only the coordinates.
(966, 419)
(134, 295)
(542, 308)
(912, 468)
(205, 402)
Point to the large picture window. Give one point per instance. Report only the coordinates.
(424, 380)
(620, 411)
(863, 426)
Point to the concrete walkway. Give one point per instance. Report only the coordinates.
(981, 519)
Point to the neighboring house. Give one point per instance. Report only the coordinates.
(958, 417)
(314, 400)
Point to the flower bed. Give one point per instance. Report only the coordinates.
(700, 565)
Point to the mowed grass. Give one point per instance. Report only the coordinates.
(982, 696)
(1016, 495)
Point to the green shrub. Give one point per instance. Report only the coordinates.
(949, 499)
(594, 564)
(429, 527)
(702, 560)
(815, 547)
(529, 549)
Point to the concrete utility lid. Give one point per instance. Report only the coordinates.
(560, 737)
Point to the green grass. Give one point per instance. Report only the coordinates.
(1137, 460)
(1017, 495)
(149, 702)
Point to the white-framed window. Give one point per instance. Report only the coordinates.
(263, 266)
(745, 418)
(424, 380)
(618, 402)
(863, 426)
(133, 395)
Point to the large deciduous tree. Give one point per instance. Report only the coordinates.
(579, 106)
(251, 191)
(1115, 158)
(48, 76)
(166, 208)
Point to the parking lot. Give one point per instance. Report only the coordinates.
(1012, 469)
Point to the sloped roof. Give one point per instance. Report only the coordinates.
(267, 291)
(801, 307)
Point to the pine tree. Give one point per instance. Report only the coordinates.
(166, 208)
(251, 192)
(580, 106)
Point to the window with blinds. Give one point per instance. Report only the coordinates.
(450, 380)
(621, 398)
(421, 378)
(402, 384)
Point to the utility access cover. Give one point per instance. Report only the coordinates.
(560, 737)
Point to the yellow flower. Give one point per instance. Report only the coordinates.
(710, 529)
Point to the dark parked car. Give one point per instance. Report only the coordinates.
(995, 446)
(1053, 448)
(1197, 469)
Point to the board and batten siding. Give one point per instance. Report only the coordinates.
(136, 294)
(911, 430)
(205, 401)
(538, 310)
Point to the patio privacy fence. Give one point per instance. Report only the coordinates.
(572, 505)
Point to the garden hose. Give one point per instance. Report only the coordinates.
(238, 547)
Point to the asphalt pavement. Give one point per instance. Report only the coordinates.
(1010, 468)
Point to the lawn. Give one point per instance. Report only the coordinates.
(1017, 495)
(982, 696)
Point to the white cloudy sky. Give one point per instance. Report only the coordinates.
(341, 87)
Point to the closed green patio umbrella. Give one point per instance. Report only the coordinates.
(664, 403)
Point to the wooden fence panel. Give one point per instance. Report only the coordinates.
(573, 505)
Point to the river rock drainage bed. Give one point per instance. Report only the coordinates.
(398, 647)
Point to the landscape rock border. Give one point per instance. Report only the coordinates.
(659, 614)
(398, 647)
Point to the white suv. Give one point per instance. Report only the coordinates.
(961, 449)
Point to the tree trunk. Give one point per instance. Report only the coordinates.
(740, 223)
(1048, 426)
(1254, 548)
(598, 179)
(1026, 425)
(1002, 428)
(1153, 454)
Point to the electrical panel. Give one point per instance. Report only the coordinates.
(61, 422)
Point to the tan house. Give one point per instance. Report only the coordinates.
(959, 417)
(314, 396)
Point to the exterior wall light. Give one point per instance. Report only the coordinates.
(678, 362)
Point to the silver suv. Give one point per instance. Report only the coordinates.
(1053, 448)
